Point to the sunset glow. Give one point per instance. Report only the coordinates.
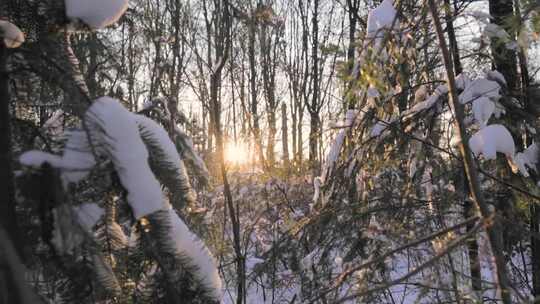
(237, 153)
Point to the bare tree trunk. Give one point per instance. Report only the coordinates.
(8, 217)
(535, 246)
(353, 7)
(313, 107)
(222, 40)
(284, 135)
(253, 88)
(300, 138)
(293, 135)
(313, 140)
(469, 210)
(493, 228)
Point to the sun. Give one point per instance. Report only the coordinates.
(236, 153)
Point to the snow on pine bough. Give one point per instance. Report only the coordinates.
(115, 135)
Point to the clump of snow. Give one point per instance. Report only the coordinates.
(379, 18)
(88, 214)
(128, 153)
(75, 163)
(499, 110)
(478, 88)
(147, 104)
(481, 16)
(462, 81)
(317, 183)
(13, 36)
(189, 244)
(492, 30)
(496, 76)
(426, 104)
(372, 92)
(152, 129)
(379, 128)
(97, 14)
(78, 156)
(492, 139)
(333, 153)
(483, 108)
(527, 159)
(36, 158)
(441, 89)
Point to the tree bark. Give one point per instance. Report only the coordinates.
(469, 210)
(493, 226)
(8, 217)
(284, 135)
(253, 90)
(314, 105)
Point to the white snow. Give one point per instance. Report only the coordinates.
(97, 14)
(335, 149)
(128, 153)
(13, 36)
(379, 18)
(492, 30)
(492, 139)
(161, 135)
(426, 104)
(35, 159)
(190, 245)
(527, 159)
(372, 92)
(88, 214)
(317, 183)
(483, 108)
(462, 81)
(78, 156)
(378, 128)
(480, 87)
(496, 76)
(75, 163)
(441, 89)
(480, 15)
(171, 156)
(147, 104)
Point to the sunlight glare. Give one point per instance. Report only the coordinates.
(236, 153)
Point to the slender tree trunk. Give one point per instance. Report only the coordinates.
(253, 90)
(284, 135)
(313, 140)
(494, 229)
(469, 210)
(293, 135)
(8, 217)
(314, 106)
(353, 7)
(535, 246)
(300, 138)
(222, 52)
(270, 145)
